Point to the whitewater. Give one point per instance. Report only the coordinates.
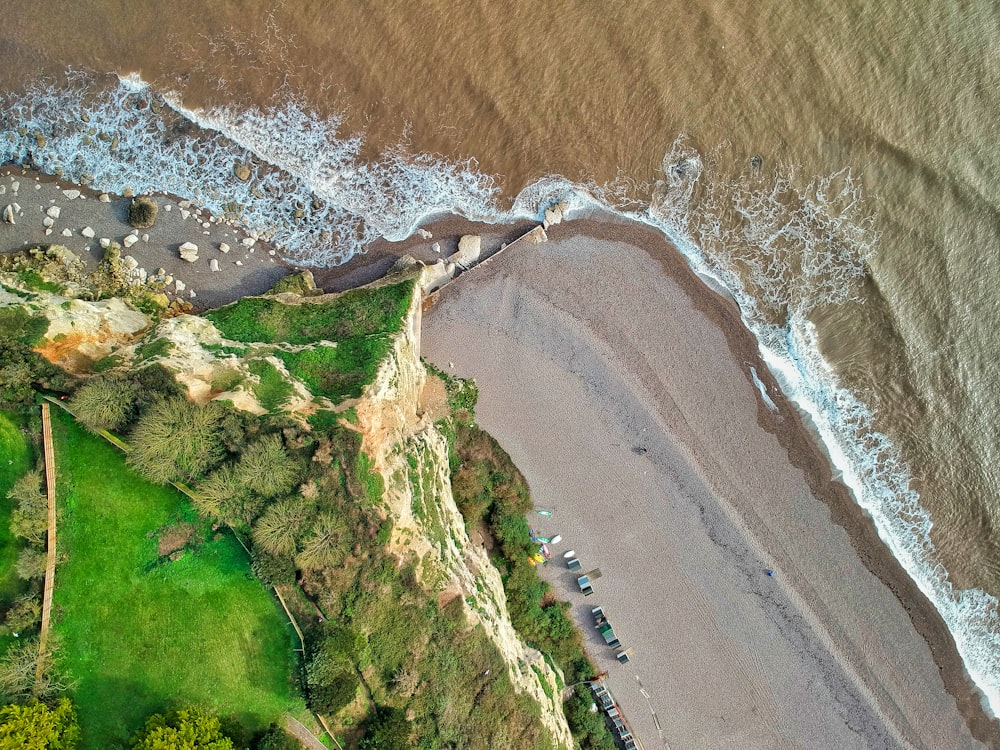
(780, 246)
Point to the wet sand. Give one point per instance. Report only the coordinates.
(621, 387)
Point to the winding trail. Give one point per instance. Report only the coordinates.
(50, 561)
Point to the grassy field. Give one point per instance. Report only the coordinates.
(141, 631)
(15, 459)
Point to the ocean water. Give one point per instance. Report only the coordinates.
(833, 165)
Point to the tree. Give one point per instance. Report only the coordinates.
(31, 563)
(24, 613)
(20, 678)
(29, 519)
(279, 529)
(35, 726)
(388, 729)
(188, 728)
(326, 545)
(177, 439)
(106, 402)
(267, 469)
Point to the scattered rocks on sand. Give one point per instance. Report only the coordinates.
(189, 252)
(88, 233)
(53, 212)
(223, 247)
(8, 214)
(213, 264)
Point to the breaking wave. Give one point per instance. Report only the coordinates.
(781, 247)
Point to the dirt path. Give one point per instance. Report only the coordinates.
(50, 562)
(302, 734)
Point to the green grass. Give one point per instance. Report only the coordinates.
(20, 325)
(33, 280)
(273, 390)
(339, 371)
(355, 313)
(139, 632)
(15, 460)
(156, 348)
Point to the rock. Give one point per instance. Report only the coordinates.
(537, 235)
(184, 204)
(67, 233)
(15, 186)
(71, 194)
(242, 171)
(469, 248)
(223, 247)
(449, 269)
(168, 207)
(128, 193)
(41, 140)
(8, 214)
(104, 198)
(436, 247)
(239, 262)
(168, 279)
(185, 213)
(205, 225)
(248, 241)
(88, 233)
(179, 285)
(53, 211)
(130, 240)
(213, 264)
(159, 299)
(3, 189)
(145, 238)
(424, 233)
(17, 208)
(189, 252)
(48, 231)
(193, 295)
(130, 263)
(142, 275)
(552, 216)
(48, 221)
(105, 242)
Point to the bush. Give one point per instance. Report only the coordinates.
(29, 519)
(30, 563)
(388, 729)
(182, 729)
(25, 613)
(276, 738)
(106, 402)
(35, 725)
(142, 212)
(272, 570)
(176, 439)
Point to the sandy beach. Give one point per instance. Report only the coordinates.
(622, 389)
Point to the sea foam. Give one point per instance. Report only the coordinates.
(779, 247)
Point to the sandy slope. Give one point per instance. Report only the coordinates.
(585, 350)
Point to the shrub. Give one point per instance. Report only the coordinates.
(327, 544)
(142, 212)
(279, 529)
(177, 439)
(30, 563)
(24, 613)
(29, 519)
(35, 725)
(187, 728)
(388, 729)
(272, 570)
(106, 402)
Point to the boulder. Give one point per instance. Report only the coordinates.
(552, 216)
(189, 252)
(105, 242)
(185, 213)
(248, 241)
(436, 247)
(130, 239)
(168, 207)
(71, 194)
(67, 233)
(424, 233)
(130, 263)
(88, 233)
(104, 198)
(53, 212)
(8, 214)
(242, 171)
(469, 248)
(223, 247)
(537, 235)
(213, 264)
(179, 285)
(48, 221)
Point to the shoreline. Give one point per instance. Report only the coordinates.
(802, 447)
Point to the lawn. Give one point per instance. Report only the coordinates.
(15, 460)
(140, 632)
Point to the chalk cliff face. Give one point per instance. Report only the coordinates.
(411, 454)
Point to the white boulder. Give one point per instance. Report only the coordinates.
(67, 233)
(213, 264)
(130, 240)
(179, 285)
(104, 198)
(48, 221)
(88, 233)
(8, 214)
(189, 252)
(71, 194)
(53, 212)
(223, 247)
